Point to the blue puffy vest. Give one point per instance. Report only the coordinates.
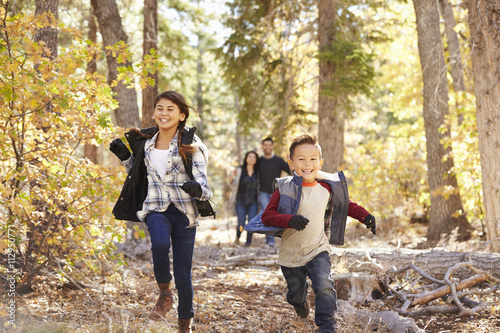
(290, 189)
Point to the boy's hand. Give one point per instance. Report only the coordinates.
(118, 148)
(370, 223)
(192, 188)
(298, 222)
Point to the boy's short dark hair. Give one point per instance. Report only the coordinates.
(304, 139)
(268, 139)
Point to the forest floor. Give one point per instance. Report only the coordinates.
(227, 298)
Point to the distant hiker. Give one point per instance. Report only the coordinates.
(246, 193)
(159, 191)
(312, 207)
(270, 168)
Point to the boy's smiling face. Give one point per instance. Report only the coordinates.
(306, 162)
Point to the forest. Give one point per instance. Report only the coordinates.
(403, 96)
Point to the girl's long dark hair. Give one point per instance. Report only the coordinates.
(178, 100)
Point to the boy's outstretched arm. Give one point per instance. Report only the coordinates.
(271, 216)
(359, 213)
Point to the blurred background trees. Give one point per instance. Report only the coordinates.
(387, 86)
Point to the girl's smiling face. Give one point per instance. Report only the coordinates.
(167, 115)
(306, 162)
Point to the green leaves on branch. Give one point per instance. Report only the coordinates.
(354, 72)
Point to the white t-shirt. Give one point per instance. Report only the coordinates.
(299, 247)
(161, 159)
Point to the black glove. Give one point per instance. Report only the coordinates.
(298, 222)
(192, 188)
(118, 148)
(370, 223)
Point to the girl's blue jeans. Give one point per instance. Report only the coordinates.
(318, 270)
(169, 228)
(243, 212)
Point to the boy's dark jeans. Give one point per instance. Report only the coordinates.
(163, 227)
(318, 270)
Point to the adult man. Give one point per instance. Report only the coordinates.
(270, 168)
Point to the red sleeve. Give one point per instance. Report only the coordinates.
(325, 185)
(357, 212)
(271, 216)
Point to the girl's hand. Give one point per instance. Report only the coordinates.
(192, 188)
(118, 148)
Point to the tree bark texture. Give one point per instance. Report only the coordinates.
(92, 35)
(150, 42)
(110, 26)
(435, 262)
(330, 112)
(48, 35)
(199, 86)
(455, 55)
(92, 151)
(446, 212)
(484, 23)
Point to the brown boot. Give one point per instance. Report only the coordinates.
(164, 302)
(185, 325)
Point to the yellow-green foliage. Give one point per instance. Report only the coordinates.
(56, 202)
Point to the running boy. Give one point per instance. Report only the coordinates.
(312, 206)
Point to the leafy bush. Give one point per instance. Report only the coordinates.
(57, 203)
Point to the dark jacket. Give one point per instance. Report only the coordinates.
(135, 188)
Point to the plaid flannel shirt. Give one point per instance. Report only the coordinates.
(166, 190)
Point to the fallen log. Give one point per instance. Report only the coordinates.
(445, 290)
(381, 321)
(434, 262)
(249, 260)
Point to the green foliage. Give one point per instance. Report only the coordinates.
(354, 72)
(58, 203)
(271, 61)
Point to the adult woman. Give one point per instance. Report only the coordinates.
(246, 187)
(158, 191)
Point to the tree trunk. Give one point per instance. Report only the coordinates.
(199, 85)
(150, 42)
(446, 212)
(48, 35)
(455, 56)
(484, 22)
(330, 113)
(92, 151)
(434, 262)
(455, 59)
(110, 26)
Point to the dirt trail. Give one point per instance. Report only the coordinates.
(227, 299)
